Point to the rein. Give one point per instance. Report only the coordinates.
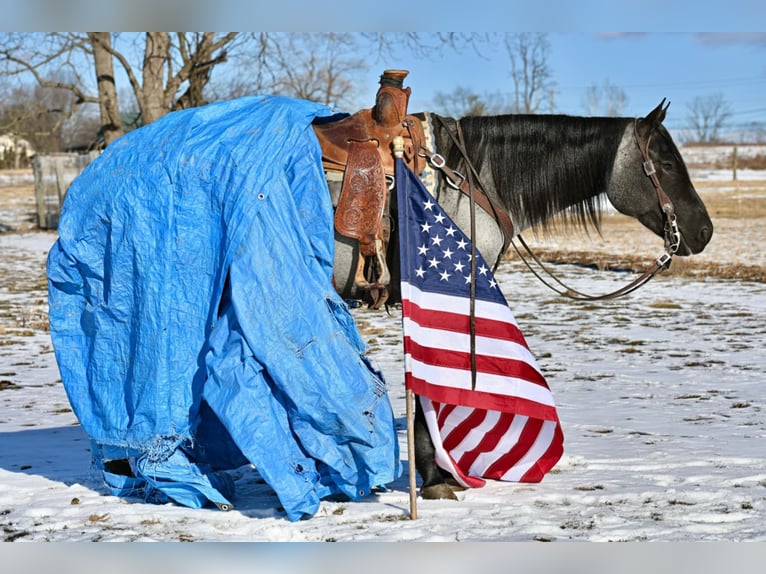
(672, 233)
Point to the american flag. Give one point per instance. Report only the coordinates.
(500, 423)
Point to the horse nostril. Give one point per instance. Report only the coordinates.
(705, 235)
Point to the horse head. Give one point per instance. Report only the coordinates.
(647, 147)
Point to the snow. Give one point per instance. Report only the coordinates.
(659, 395)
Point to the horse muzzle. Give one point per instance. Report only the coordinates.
(693, 244)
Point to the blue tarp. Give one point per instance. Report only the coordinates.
(194, 320)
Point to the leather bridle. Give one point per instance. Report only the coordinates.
(672, 233)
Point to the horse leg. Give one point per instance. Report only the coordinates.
(434, 479)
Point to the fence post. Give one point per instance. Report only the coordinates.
(734, 163)
(53, 176)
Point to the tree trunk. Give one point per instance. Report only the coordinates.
(156, 58)
(111, 124)
(200, 64)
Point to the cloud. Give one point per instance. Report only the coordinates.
(732, 38)
(619, 35)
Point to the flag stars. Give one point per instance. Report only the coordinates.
(442, 234)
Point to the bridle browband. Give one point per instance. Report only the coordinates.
(466, 185)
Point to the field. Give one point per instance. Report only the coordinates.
(660, 397)
(738, 211)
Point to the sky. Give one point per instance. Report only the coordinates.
(646, 66)
(687, 49)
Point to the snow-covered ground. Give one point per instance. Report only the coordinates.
(660, 397)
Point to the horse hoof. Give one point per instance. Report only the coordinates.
(437, 492)
(455, 485)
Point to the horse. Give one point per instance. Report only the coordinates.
(533, 170)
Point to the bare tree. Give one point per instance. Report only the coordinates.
(616, 99)
(319, 67)
(111, 125)
(174, 68)
(707, 115)
(80, 132)
(37, 64)
(607, 99)
(423, 45)
(460, 102)
(592, 100)
(530, 72)
(463, 101)
(36, 114)
(172, 71)
(326, 67)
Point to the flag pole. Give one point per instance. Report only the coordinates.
(411, 454)
(398, 145)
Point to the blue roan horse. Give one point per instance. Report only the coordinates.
(537, 167)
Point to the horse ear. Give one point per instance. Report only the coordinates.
(648, 124)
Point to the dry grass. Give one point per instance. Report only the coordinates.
(737, 250)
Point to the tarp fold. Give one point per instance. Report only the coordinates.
(193, 315)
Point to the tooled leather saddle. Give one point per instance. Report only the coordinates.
(357, 152)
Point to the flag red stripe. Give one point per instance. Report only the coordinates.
(460, 323)
(457, 434)
(489, 442)
(548, 460)
(525, 441)
(484, 364)
(449, 464)
(479, 399)
(443, 410)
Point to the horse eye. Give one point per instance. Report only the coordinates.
(667, 166)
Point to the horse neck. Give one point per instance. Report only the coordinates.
(542, 167)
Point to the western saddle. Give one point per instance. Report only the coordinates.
(357, 154)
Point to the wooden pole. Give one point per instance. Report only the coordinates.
(398, 145)
(411, 454)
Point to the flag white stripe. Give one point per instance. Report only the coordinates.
(486, 459)
(536, 450)
(475, 436)
(441, 457)
(460, 342)
(453, 304)
(461, 379)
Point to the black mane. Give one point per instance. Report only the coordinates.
(541, 166)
